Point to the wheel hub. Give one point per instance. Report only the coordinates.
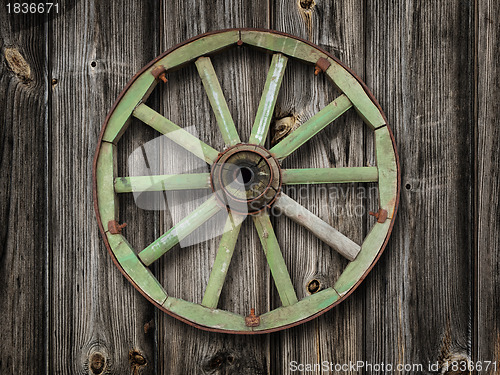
(246, 178)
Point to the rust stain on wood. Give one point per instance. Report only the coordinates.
(18, 64)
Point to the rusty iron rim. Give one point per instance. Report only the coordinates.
(298, 322)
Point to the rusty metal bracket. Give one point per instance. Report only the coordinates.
(321, 65)
(159, 73)
(114, 227)
(381, 215)
(252, 320)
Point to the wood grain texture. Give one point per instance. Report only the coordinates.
(23, 122)
(488, 179)
(185, 271)
(420, 66)
(420, 303)
(338, 28)
(97, 318)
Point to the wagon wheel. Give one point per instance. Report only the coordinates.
(246, 180)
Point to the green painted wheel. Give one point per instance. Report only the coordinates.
(246, 180)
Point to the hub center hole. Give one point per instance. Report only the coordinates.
(246, 174)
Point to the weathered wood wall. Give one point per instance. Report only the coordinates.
(433, 66)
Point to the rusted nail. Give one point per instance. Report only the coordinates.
(239, 42)
(381, 215)
(252, 320)
(159, 73)
(114, 227)
(321, 65)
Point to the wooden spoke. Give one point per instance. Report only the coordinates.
(329, 175)
(318, 227)
(217, 101)
(162, 182)
(175, 133)
(275, 259)
(222, 260)
(268, 99)
(179, 231)
(311, 127)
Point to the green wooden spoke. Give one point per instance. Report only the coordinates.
(222, 260)
(311, 127)
(175, 133)
(324, 231)
(179, 231)
(162, 182)
(268, 99)
(217, 101)
(275, 259)
(329, 175)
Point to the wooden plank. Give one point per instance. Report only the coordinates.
(242, 74)
(337, 27)
(23, 194)
(487, 325)
(424, 278)
(98, 318)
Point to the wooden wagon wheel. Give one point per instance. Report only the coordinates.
(238, 167)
